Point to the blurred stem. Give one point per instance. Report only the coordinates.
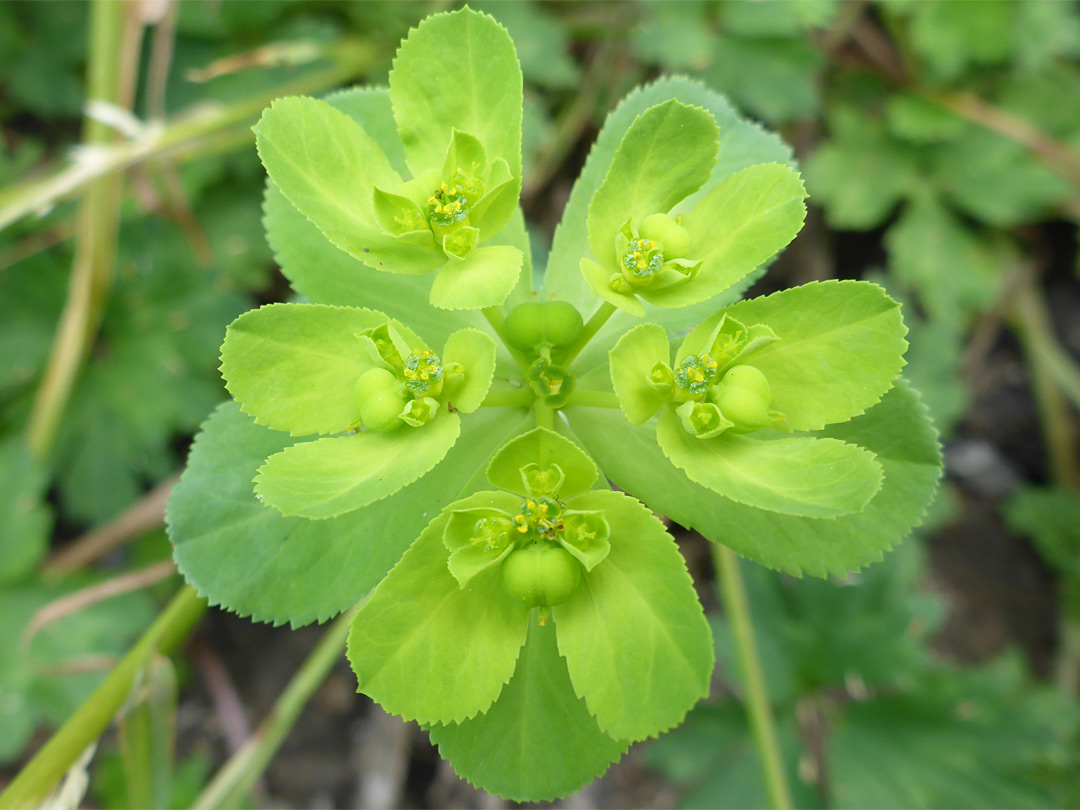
(737, 608)
(233, 782)
(1054, 376)
(603, 71)
(187, 134)
(49, 765)
(1053, 372)
(115, 33)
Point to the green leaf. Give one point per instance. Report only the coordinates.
(25, 521)
(927, 245)
(42, 683)
(327, 167)
(457, 71)
(475, 352)
(329, 477)
(736, 227)
(539, 457)
(248, 558)
(483, 278)
(896, 430)
(742, 144)
(840, 347)
(633, 360)
(778, 79)
(861, 174)
(801, 476)
(323, 273)
(427, 649)
(665, 155)
(1050, 517)
(634, 636)
(712, 757)
(537, 742)
(997, 180)
(294, 367)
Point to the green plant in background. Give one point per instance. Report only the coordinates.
(942, 130)
(536, 605)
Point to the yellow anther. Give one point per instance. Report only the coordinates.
(423, 374)
(650, 244)
(432, 201)
(444, 187)
(641, 265)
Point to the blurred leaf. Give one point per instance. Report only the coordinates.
(996, 180)
(962, 739)
(25, 521)
(1051, 518)
(46, 682)
(951, 36)
(775, 79)
(676, 36)
(955, 271)
(778, 17)
(712, 757)
(918, 119)
(861, 174)
(540, 41)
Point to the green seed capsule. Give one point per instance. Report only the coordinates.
(750, 379)
(669, 233)
(380, 399)
(744, 407)
(532, 324)
(541, 574)
(562, 323)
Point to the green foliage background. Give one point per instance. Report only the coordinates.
(940, 144)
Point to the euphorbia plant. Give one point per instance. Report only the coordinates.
(534, 620)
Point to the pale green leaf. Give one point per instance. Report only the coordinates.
(324, 274)
(327, 167)
(329, 477)
(742, 144)
(737, 226)
(632, 362)
(294, 367)
(537, 742)
(801, 476)
(896, 430)
(475, 352)
(483, 278)
(427, 649)
(665, 155)
(634, 636)
(840, 347)
(248, 558)
(457, 71)
(540, 452)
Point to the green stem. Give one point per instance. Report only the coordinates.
(114, 41)
(545, 415)
(593, 399)
(182, 136)
(599, 318)
(737, 607)
(517, 398)
(49, 765)
(233, 782)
